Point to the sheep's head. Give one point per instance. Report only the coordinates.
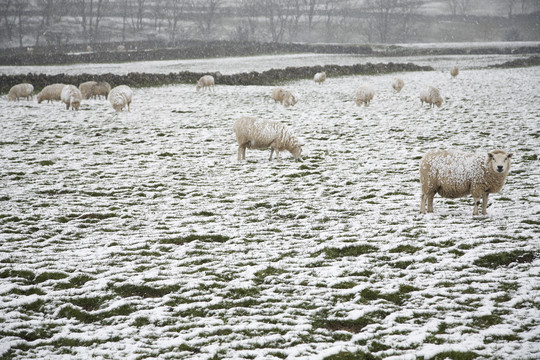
(438, 102)
(297, 152)
(39, 98)
(499, 161)
(76, 104)
(198, 87)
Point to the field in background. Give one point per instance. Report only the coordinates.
(139, 235)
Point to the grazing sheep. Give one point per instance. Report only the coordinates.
(23, 90)
(431, 96)
(254, 133)
(320, 77)
(206, 81)
(398, 84)
(50, 93)
(86, 89)
(120, 96)
(71, 96)
(458, 174)
(364, 95)
(283, 96)
(102, 88)
(121, 48)
(454, 71)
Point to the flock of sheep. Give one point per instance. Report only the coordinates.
(451, 174)
(119, 97)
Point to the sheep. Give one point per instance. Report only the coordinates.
(71, 96)
(364, 95)
(398, 84)
(454, 71)
(206, 81)
(50, 93)
(320, 77)
(102, 88)
(120, 96)
(454, 174)
(252, 133)
(86, 89)
(431, 96)
(283, 96)
(23, 90)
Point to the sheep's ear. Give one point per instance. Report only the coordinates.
(490, 155)
(510, 155)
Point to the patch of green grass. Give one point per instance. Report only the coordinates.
(36, 306)
(261, 275)
(50, 275)
(90, 317)
(180, 240)
(495, 260)
(454, 355)
(486, 321)
(89, 303)
(408, 249)
(144, 291)
(141, 321)
(344, 285)
(376, 346)
(347, 355)
(399, 297)
(402, 264)
(46, 162)
(27, 292)
(352, 250)
(204, 213)
(26, 275)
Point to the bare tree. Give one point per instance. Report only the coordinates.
(91, 12)
(9, 22)
(311, 6)
(137, 17)
(510, 7)
(207, 15)
(174, 13)
(458, 7)
(158, 13)
(277, 17)
(52, 12)
(248, 10)
(390, 14)
(20, 5)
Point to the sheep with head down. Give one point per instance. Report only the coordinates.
(431, 96)
(364, 95)
(454, 71)
(71, 96)
(120, 97)
(206, 82)
(398, 84)
(320, 77)
(285, 97)
(50, 93)
(23, 90)
(455, 174)
(252, 133)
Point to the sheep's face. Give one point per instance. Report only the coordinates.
(198, 87)
(76, 105)
(297, 152)
(499, 161)
(438, 102)
(39, 99)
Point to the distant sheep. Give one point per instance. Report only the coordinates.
(206, 81)
(50, 93)
(86, 89)
(320, 77)
(454, 71)
(120, 96)
(71, 96)
(254, 133)
(431, 96)
(23, 90)
(284, 97)
(364, 95)
(458, 174)
(398, 84)
(102, 88)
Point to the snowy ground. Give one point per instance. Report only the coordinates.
(139, 235)
(234, 65)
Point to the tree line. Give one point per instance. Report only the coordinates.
(89, 21)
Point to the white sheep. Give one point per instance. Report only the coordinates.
(364, 95)
(320, 77)
(398, 84)
(431, 96)
(252, 133)
(453, 174)
(102, 88)
(71, 96)
(23, 90)
(206, 81)
(284, 97)
(454, 71)
(50, 93)
(86, 89)
(120, 96)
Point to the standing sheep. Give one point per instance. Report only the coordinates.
(86, 89)
(71, 96)
(50, 93)
(320, 77)
(254, 133)
(206, 81)
(364, 95)
(398, 84)
(454, 71)
(120, 96)
(431, 96)
(283, 96)
(458, 174)
(23, 90)
(102, 88)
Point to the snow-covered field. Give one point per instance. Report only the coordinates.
(139, 235)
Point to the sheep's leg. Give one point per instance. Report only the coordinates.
(423, 204)
(430, 202)
(271, 153)
(277, 156)
(242, 151)
(484, 203)
(67, 106)
(476, 203)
